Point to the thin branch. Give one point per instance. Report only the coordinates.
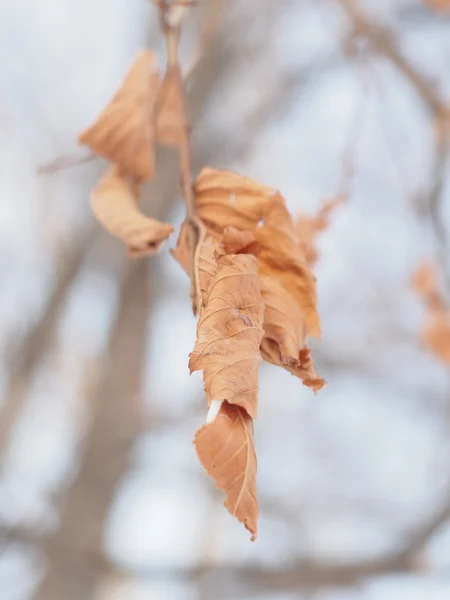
(383, 40)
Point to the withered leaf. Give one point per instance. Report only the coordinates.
(284, 334)
(239, 242)
(308, 227)
(224, 198)
(424, 282)
(123, 133)
(229, 332)
(114, 205)
(281, 259)
(226, 450)
(436, 335)
(171, 121)
(436, 331)
(442, 6)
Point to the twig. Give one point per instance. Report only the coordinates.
(171, 18)
(383, 41)
(65, 162)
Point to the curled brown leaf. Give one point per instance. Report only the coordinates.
(224, 198)
(284, 334)
(436, 335)
(229, 332)
(226, 450)
(114, 205)
(424, 282)
(123, 133)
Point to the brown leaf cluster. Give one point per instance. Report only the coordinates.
(288, 285)
(256, 298)
(436, 329)
(144, 111)
(250, 268)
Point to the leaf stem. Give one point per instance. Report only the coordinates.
(171, 18)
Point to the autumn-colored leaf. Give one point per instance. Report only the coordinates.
(436, 331)
(123, 133)
(229, 333)
(114, 204)
(281, 259)
(307, 228)
(284, 334)
(171, 121)
(226, 450)
(239, 242)
(436, 334)
(424, 282)
(224, 198)
(439, 5)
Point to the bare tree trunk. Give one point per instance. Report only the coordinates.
(73, 551)
(38, 338)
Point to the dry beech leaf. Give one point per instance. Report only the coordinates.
(424, 283)
(436, 331)
(308, 227)
(224, 198)
(440, 5)
(239, 242)
(123, 133)
(436, 335)
(281, 259)
(229, 331)
(114, 205)
(284, 334)
(171, 121)
(226, 450)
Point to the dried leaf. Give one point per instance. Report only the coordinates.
(424, 282)
(226, 450)
(281, 259)
(224, 198)
(308, 227)
(229, 332)
(442, 6)
(123, 133)
(239, 242)
(436, 335)
(171, 121)
(284, 334)
(114, 205)
(436, 331)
